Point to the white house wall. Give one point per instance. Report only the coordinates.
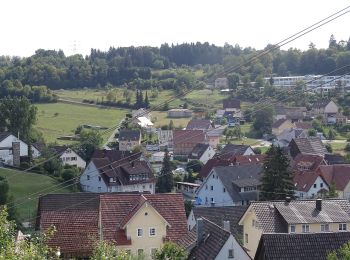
(249, 151)
(69, 157)
(238, 251)
(191, 221)
(6, 155)
(208, 154)
(92, 183)
(218, 195)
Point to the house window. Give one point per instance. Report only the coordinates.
(246, 238)
(342, 227)
(321, 184)
(99, 178)
(306, 228)
(230, 253)
(88, 177)
(152, 232)
(211, 187)
(153, 252)
(73, 158)
(206, 186)
(315, 185)
(224, 189)
(213, 176)
(150, 186)
(292, 228)
(139, 232)
(140, 252)
(324, 227)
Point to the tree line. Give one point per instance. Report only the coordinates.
(141, 65)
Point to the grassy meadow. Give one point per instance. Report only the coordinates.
(57, 119)
(24, 184)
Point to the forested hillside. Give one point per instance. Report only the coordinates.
(144, 67)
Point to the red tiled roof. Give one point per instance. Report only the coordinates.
(304, 180)
(248, 159)
(201, 124)
(307, 162)
(338, 174)
(188, 136)
(76, 217)
(211, 163)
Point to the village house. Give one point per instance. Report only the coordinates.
(179, 112)
(230, 185)
(280, 125)
(311, 246)
(232, 105)
(199, 124)
(12, 149)
(329, 112)
(136, 223)
(117, 171)
(293, 216)
(221, 83)
(186, 140)
(303, 125)
(231, 150)
(295, 114)
(287, 135)
(129, 139)
(211, 163)
(214, 135)
(311, 145)
(212, 242)
(68, 156)
(188, 189)
(202, 153)
(338, 175)
(166, 139)
(248, 159)
(219, 215)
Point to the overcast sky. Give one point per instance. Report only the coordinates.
(27, 25)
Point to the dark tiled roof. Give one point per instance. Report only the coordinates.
(198, 124)
(4, 135)
(76, 217)
(339, 174)
(278, 123)
(214, 238)
(307, 145)
(233, 149)
(113, 155)
(188, 136)
(229, 174)
(334, 159)
(312, 246)
(321, 104)
(303, 125)
(273, 215)
(133, 135)
(39, 146)
(59, 149)
(198, 151)
(232, 103)
(211, 163)
(219, 214)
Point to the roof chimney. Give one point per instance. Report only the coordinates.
(200, 230)
(16, 153)
(319, 204)
(226, 224)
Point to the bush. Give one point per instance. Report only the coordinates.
(347, 147)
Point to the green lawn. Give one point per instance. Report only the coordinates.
(23, 184)
(161, 118)
(206, 98)
(59, 119)
(338, 147)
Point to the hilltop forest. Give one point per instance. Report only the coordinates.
(167, 67)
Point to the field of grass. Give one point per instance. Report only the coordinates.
(161, 118)
(206, 98)
(338, 147)
(23, 184)
(59, 119)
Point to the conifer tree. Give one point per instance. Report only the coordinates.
(147, 105)
(141, 99)
(165, 182)
(277, 179)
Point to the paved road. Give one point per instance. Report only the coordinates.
(111, 137)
